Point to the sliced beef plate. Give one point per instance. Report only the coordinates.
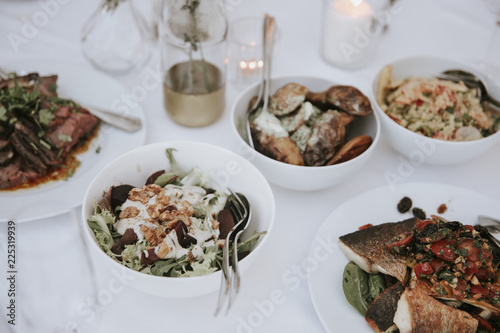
(29, 147)
(70, 128)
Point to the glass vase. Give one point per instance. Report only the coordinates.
(116, 38)
(193, 56)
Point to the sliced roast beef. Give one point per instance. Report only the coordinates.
(76, 126)
(29, 146)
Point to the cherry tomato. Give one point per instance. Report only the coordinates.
(473, 253)
(483, 274)
(470, 268)
(469, 227)
(424, 268)
(421, 224)
(477, 289)
(444, 249)
(402, 240)
(437, 264)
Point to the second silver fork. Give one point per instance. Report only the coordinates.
(241, 214)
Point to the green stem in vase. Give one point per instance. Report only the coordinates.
(111, 4)
(194, 40)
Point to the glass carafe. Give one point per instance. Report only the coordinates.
(117, 39)
(193, 56)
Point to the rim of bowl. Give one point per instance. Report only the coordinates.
(304, 167)
(89, 235)
(420, 136)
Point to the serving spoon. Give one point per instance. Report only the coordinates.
(471, 81)
(263, 97)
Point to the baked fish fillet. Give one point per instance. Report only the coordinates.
(368, 248)
(420, 313)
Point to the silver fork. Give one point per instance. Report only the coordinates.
(4, 75)
(126, 123)
(240, 213)
(493, 227)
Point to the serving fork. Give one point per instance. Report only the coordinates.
(230, 281)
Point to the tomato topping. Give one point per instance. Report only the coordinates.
(444, 249)
(484, 323)
(366, 226)
(402, 240)
(469, 227)
(477, 289)
(470, 268)
(483, 274)
(421, 224)
(424, 269)
(437, 264)
(473, 253)
(419, 102)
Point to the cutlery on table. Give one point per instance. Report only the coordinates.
(263, 97)
(240, 209)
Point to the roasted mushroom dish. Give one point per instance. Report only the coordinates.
(424, 275)
(301, 127)
(39, 131)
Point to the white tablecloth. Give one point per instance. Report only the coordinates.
(54, 290)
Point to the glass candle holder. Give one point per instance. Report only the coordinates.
(245, 50)
(193, 57)
(350, 32)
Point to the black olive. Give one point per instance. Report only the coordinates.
(419, 213)
(429, 229)
(453, 226)
(483, 232)
(466, 234)
(404, 205)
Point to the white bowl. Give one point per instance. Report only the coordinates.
(229, 170)
(302, 178)
(418, 148)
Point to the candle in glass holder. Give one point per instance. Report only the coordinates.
(348, 35)
(245, 50)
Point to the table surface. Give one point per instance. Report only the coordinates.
(54, 291)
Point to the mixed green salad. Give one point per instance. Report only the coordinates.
(175, 225)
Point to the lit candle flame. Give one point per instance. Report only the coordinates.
(243, 64)
(356, 3)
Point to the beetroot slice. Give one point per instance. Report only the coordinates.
(151, 258)
(119, 194)
(226, 221)
(154, 176)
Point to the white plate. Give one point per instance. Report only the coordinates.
(375, 207)
(93, 88)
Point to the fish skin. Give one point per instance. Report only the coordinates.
(381, 312)
(368, 248)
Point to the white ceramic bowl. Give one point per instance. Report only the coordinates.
(302, 178)
(417, 148)
(228, 168)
